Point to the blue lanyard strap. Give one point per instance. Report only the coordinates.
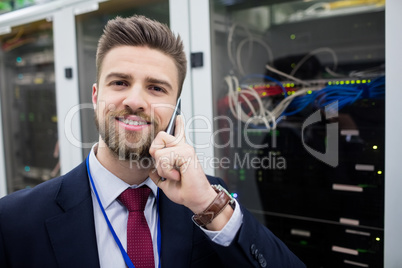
(127, 259)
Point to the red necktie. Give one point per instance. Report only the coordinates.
(139, 240)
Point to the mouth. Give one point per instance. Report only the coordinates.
(133, 123)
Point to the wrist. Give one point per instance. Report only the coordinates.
(215, 208)
(209, 197)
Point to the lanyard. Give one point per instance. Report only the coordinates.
(127, 260)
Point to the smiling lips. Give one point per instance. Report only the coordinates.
(133, 123)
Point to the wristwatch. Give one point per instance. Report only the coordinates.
(217, 206)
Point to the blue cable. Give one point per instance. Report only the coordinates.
(345, 95)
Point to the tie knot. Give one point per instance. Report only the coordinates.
(135, 199)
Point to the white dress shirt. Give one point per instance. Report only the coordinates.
(109, 187)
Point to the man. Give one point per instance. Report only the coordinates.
(65, 222)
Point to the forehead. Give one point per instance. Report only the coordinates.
(139, 61)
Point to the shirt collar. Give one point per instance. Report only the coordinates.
(109, 186)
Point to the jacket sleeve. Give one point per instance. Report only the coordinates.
(255, 246)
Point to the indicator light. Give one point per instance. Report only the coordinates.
(375, 147)
(303, 242)
(379, 172)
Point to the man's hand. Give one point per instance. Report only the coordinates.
(177, 162)
(185, 183)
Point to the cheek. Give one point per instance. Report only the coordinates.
(107, 103)
(164, 115)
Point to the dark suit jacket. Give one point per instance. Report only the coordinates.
(52, 225)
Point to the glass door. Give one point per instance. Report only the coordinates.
(299, 90)
(28, 105)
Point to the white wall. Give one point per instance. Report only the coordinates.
(393, 135)
(3, 180)
(67, 96)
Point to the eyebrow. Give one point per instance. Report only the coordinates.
(159, 82)
(118, 75)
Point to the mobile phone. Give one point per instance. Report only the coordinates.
(171, 126)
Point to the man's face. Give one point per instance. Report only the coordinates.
(134, 99)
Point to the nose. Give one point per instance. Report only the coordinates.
(136, 99)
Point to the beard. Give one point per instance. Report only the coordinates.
(127, 145)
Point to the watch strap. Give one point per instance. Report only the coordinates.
(217, 206)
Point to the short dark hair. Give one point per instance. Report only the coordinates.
(141, 31)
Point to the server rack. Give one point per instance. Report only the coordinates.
(299, 90)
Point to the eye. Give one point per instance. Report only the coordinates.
(118, 83)
(156, 88)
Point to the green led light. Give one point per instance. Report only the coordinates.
(378, 239)
(342, 82)
(31, 117)
(364, 81)
(362, 250)
(329, 83)
(375, 147)
(358, 82)
(303, 242)
(293, 36)
(309, 92)
(379, 172)
(352, 82)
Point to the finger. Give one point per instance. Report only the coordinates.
(165, 164)
(153, 174)
(161, 141)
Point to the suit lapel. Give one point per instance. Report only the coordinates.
(177, 233)
(73, 232)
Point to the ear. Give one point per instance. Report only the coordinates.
(94, 95)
